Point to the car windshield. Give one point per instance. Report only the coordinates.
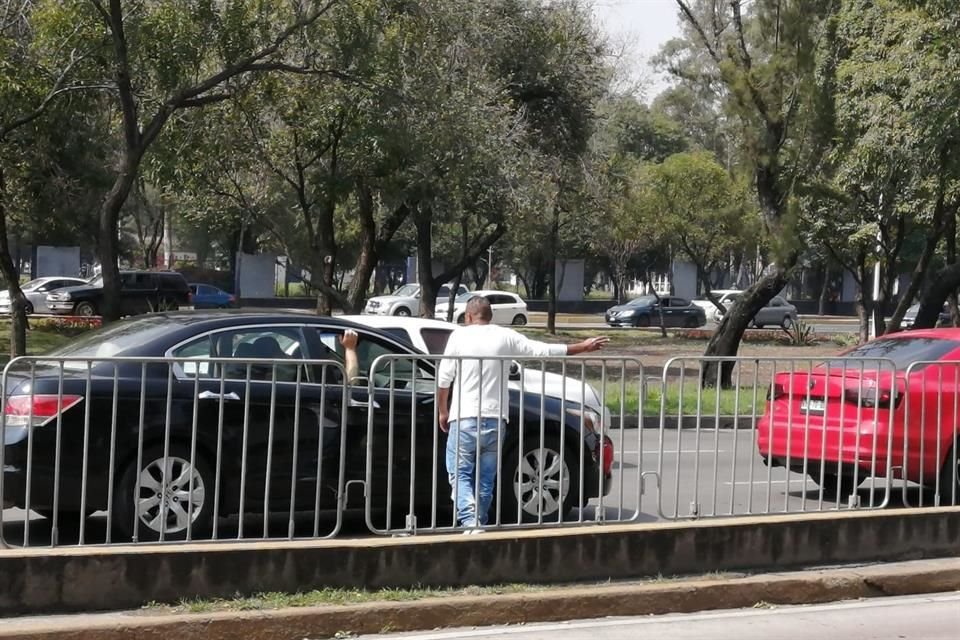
(643, 301)
(463, 297)
(95, 281)
(901, 351)
(407, 290)
(114, 339)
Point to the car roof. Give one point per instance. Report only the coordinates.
(402, 322)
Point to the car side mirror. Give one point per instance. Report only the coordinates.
(514, 370)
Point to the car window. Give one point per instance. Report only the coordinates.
(501, 299)
(902, 351)
(194, 289)
(435, 339)
(274, 343)
(462, 290)
(137, 281)
(407, 291)
(679, 302)
(443, 292)
(369, 348)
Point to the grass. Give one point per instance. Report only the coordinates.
(687, 400)
(39, 339)
(330, 597)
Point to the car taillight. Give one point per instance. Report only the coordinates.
(604, 454)
(872, 398)
(777, 391)
(43, 408)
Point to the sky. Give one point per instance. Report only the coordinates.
(640, 27)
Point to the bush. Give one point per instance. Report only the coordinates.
(70, 325)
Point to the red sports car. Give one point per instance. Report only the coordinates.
(890, 407)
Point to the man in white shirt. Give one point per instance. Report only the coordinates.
(480, 402)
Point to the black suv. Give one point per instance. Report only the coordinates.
(140, 292)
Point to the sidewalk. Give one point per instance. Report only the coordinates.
(543, 604)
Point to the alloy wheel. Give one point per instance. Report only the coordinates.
(542, 482)
(170, 496)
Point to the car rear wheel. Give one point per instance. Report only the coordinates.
(403, 311)
(28, 308)
(787, 323)
(543, 482)
(168, 494)
(85, 309)
(950, 477)
(519, 320)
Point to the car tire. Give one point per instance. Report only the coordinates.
(403, 312)
(85, 309)
(950, 477)
(28, 308)
(561, 478)
(837, 486)
(461, 319)
(787, 323)
(519, 320)
(153, 512)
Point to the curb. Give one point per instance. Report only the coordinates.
(550, 605)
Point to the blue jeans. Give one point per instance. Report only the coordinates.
(472, 487)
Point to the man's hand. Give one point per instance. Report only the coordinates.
(590, 344)
(444, 420)
(349, 339)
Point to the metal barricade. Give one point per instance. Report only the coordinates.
(747, 436)
(554, 463)
(172, 449)
(928, 438)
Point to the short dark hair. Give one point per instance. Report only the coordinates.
(480, 307)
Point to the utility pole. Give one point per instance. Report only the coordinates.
(490, 267)
(875, 317)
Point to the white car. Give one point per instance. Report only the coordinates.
(508, 308)
(405, 301)
(36, 293)
(726, 297)
(430, 336)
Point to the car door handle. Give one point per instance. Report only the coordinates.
(210, 395)
(359, 404)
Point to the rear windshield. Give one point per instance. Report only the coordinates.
(902, 351)
(115, 339)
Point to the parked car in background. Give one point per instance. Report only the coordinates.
(508, 308)
(846, 420)
(207, 296)
(943, 320)
(646, 311)
(36, 292)
(726, 297)
(430, 336)
(405, 301)
(778, 313)
(279, 446)
(140, 292)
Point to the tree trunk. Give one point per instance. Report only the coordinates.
(109, 229)
(726, 340)
(18, 303)
(950, 231)
(552, 262)
(663, 327)
(864, 302)
(824, 291)
(428, 290)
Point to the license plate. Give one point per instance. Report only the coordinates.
(813, 405)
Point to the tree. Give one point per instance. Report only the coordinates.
(762, 55)
(175, 55)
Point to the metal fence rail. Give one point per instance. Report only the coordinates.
(172, 449)
(164, 450)
(554, 458)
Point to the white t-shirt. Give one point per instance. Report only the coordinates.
(481, 383)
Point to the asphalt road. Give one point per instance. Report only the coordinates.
(928, 617)
(692, 473)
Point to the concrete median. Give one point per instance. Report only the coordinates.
(562, 603)
(92, 579)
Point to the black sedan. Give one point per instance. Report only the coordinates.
(646, 311)
(188, 427)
